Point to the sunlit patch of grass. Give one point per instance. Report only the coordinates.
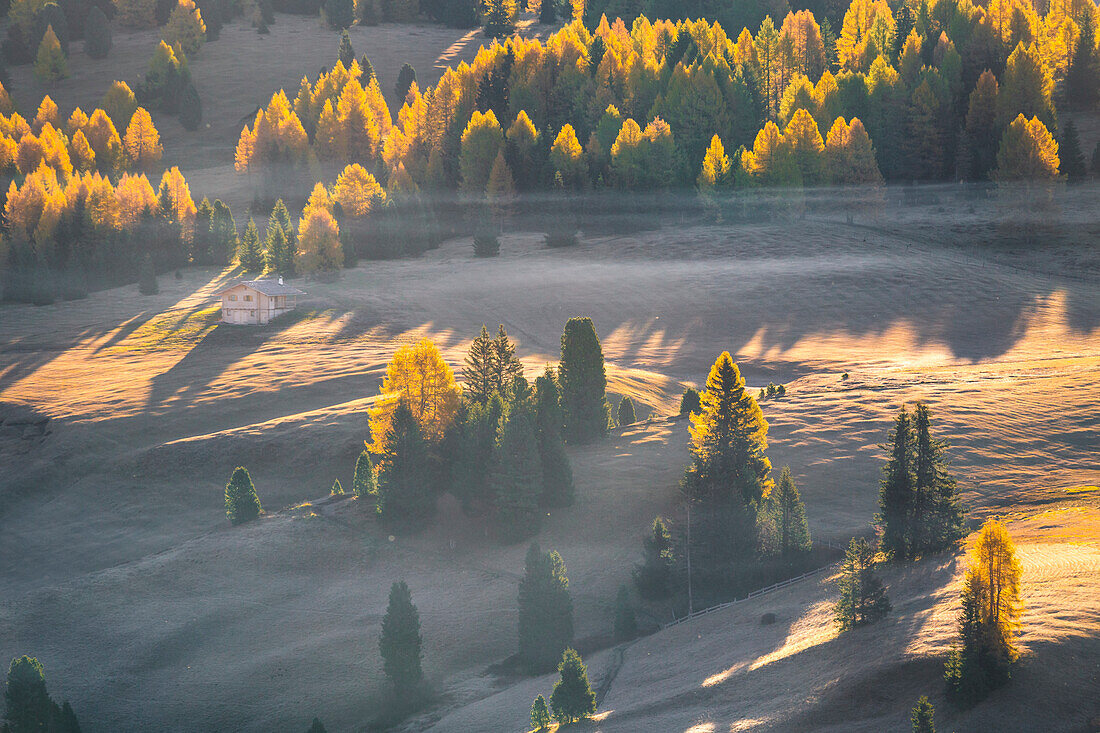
(1082, 489)
(173, 329)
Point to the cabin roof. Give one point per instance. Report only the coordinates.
(266, 286)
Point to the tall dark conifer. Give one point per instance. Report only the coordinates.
(1071, 161)
(517, 477)
(583, 382)
(404, 474)
(241, 501)
(896, 490)
(557, 473)
(401, 642)
(545, 610)
(479, 374)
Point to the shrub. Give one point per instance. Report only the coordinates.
(690, 402)
(97, 34)
(626, 414)
(241, 502)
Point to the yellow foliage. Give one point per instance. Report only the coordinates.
(185, 27)
(417, 374)
(104, 139)
(50, 64)
(319, 249)
(135, 197)
(47, 112)
(142, 141)
(994, 577)
(136, 13)
(183, 206)
(82, 153)
(357, 191)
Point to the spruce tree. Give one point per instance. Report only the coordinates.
(280, 219)
(339, 14)
(863, 599)
(517, 477)
(202, 238)
(479, 374)
(500, 18)
(27, 704)
(241, 501)
(97, 34)
(405, 78)
(225, 233)
(583, 383)
(250, 255)
(276, 253)
(923, 716)
(545, 610)
(367, 68)
(317, 727)
(346, 53)
(690, 402)
(540, 714)
(506, 366)
(793, 535)
(363, 483)
(1082, 80)
(337, 489)
(626, 622)
(572, 698)
(654, 576)
(403, 471)
(896, 490)
(937, 520)
(190, 108)
(625, 413)
(548, 12)
(401, 642)
(557, 473)
(1071, 160)
(474, 453)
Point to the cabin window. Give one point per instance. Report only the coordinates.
(248, 297)
(251, 313)
(232, 297)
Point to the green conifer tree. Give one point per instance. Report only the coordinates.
(654, 576)
(251, 255)
(225, 233)
(506, 366)
(1082, 80)
(27, 704)
(937, 518)
(540, 714)
(474, 454)
(792, 533)
(276, 255)
(337, 489)
(863, 599)
(923, 716)
(97, 34)
(690, 402)
(500, 18)
(202, 237)
(545, 610)
(242, 504)
(404, 492)
(583, 383)
(1072, 163)
(339, 14)
(572, 698)
(317, 727)
(405, 78)
(625, 414)
(479, 374)
(517, 477)
(190, 107)
(401, 641)
(368, 70)
(346, 53)
(896, 490)
(364, 483)
(557, 473)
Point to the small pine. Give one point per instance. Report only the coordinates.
(364, 483)
(368, 70)
(241, 502)
(251, 256)
(540, 714)
(405, 79)
(572, 698)
(626, 414)
(317, 727)
(923, 716)
(690, 402)
(337, 489)
(347, 53)
(863, 598)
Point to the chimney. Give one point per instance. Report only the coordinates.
(280, 279)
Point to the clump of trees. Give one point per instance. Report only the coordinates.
(27, 703)
(919, 509)
(242, 504)
(986, 649)
(572, 698)
(863, 598)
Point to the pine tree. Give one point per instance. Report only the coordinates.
(863, 599)
(583, 383)
(1083, 76)
(190, 108)
(572, 698)
(250, 255)
(50, 64)
(202, 238)
(224, 231)
(500, 18)
(923, 716)
(364, 483)
(506, 366)
(545, 610)
(625, 414)
(989, 621)
(276, 251)
(896, 490)
(406, 77)
(472, 453)
(403, 471)
(793, 535)
(147, 276)
(401, 641)
(1071, 160)
(690, 402)
(367, 69)
(540, 712)
(626, 622)
(557, 474)
(337, 489)
(654, 577)
(981, 130)
(97, 34)
(28, 706)
(479, 376)
(241, 502)
(317, 727)
(346, 54)
(517, 477)
(339, 14)
(937, 519)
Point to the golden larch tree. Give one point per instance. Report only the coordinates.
(142, 141)
(418, 375)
